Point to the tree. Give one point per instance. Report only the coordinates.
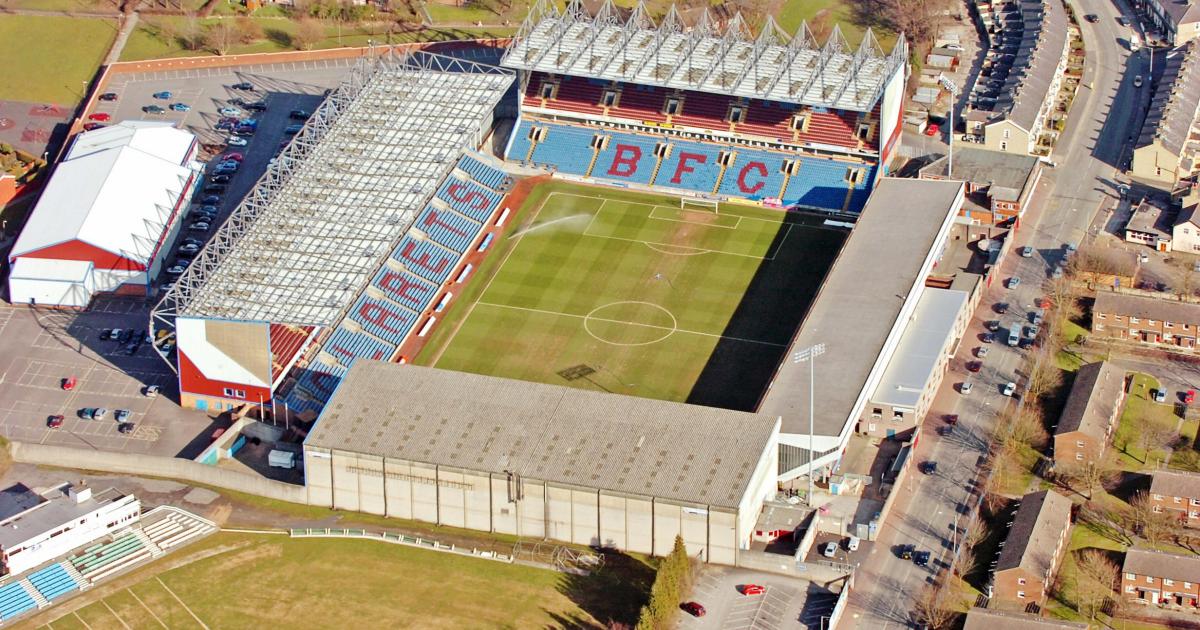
(1155, 525)
(249, 30)
(220, 36)
(936, 603)
(1155, 438)
(308, 33)
(189, 34)
(1085, 477)
(917, 19)
(1095, 580)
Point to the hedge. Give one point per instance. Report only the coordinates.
(673, 581)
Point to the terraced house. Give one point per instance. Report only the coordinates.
(1037, 539)
(1161, 578)
(1146, 320)
(1165, 150)
(1090, 414)
(1177, 493)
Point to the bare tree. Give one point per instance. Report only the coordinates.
(1155, 525)
(918, 19)
(1029, 428)
(190, 33)
(935, 605)
(308, 33)
(1087, 476)
(1095, 580)
(220, 36)
(1155, 438)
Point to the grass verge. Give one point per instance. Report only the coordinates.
(51, 59)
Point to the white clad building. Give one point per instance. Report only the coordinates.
(104, 220)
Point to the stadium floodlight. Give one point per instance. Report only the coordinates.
(810, 354)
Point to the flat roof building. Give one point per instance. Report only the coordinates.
(539, 460)
(859, 315)
(999, 185)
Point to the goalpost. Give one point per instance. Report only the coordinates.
(696, 203)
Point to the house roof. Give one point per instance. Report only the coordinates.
(1097, 389)
(1171, 483)
(1147, 307)
(920, 350)
(1036, 529)
(1151, 216)
(1041, 48)
(639, 446)
(118, 198)
(1189, 214)
(1160, 564)
(1006, 174)
(991, 619)
(1173, 107)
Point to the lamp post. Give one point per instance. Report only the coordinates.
(810, 354)
(953, 89)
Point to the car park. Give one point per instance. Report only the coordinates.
(181, 107)
(829, 550)
(1010, 388)
(162, 96)
(153, 109)
(1027, 252)
(54, 422)
(236, 141)
(100, 116)
(1160, 395)
(694, 609)
(108, 96)
(126, 427)
(753, 589)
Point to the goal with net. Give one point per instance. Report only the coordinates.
(704, 205)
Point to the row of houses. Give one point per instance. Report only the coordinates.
(1166, 148)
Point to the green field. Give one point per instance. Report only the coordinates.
(628, 293)
(264, 581)
(51, 59)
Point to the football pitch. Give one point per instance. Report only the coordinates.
(633, 294)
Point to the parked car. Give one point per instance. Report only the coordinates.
(974, 366)
(1001, 307)
(244, 85)
(1092, 18)
(220, 179)
(694, 609)
(234, 156)
(981, 351)
(236, 141)
(905, 552)
(1014, 336)
(225, 125)
(829, 550)
(126, 427)
(177, 270)
(150, 391)
(87, 412)
(1014, 282)
(292, 130)
(124, 336)
(199, 226)
(92, 126)
(1160, 396)
(992, 325)
(1027, 252)
(1122, 20)
(1137, 81)
(298, 114)
(932, 130)
(964, 388)
(106, 334)
(1057, 272)
(215, 189)
(257, 106)
(921, 558)
(181, 107)
(1010, 388)
(108, 96)
(753, 589)
(99, 413)
(1031, 331)
(188, 248)
(100, 116)
(154, 109)
(230, 111)
(243, 130)
(987, 337)
(210, 200)
(121, 415)
(852, 543)
(68, 383)
(1189, 397)
(54, 422)
(951, 418)
(162, 96)
(928, 467)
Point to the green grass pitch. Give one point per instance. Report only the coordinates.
(628, 293)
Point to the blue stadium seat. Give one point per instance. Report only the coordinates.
(493, 178)
(519, 148)
(53, 581)
(469, 198)
(820, 183)
(627, 158)
(753, 175)
(299, 404)
(697, 172)
(425, 258)
(387, 321)
(14, 600)
(448, 228)
(346, 347)
(320, 380)
(404, 288)
(566, 148)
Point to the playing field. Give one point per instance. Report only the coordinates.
(630, 293)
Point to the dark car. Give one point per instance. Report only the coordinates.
(693, 608)
(921, 558)
(929, 467)
(1092, 17)
(945, 430)
(974, 366)
(125, 335)
(154, 109)
(256, 107)
(298, 114)
(92, 126)
(1002, 307)
(106, 334)
(210, 200)
(108, 96)
(992, 325)
(54, 422)
(905, 551)
(126, 427)
(987, 338)
(226, 125)
(221, 179)
(215, 189)
(292, 130)
(244, 85)
(87, 412)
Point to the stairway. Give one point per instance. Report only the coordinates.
(151, 546)
(42, 602)
(80, 581)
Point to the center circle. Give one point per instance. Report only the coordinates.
(630, 323)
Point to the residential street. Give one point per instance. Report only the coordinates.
(1084, 180)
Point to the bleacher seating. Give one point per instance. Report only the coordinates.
(578, 95)
(707, 111)
(469, 198)
(388, 321)
(753, 175)
(832, 128)
(404, 288)
(632, 167)
(690, 166)
(167, 526)
(14, 600)
(822, 183)
(640, 102)
(566, 148)
(320, 379)
(771, 120)
(425, 258)
(53, 581)
(447, 228)
(346, 346)
(484, 174)
(105, 558)
(518, 149)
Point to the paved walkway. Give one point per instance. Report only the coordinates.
(118, 45)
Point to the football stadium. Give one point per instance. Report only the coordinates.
(643, 221)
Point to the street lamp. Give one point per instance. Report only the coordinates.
(953, 89)
(810, 354)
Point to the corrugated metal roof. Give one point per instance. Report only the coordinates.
(557, 434)
(160, 139)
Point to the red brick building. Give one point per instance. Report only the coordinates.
(1090, 414)
(1035, 545)
(992, 619)
(1151, 321)
(1161, 578)
(1177, 493)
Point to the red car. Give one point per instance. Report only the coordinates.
(932, 130)
(694, 609)
(68, 383)
(236, 157)
(54, 422)
(952, 418)
(100, 116)
(974, 366)
(1189, 397)
(753, 589)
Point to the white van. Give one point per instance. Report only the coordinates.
(852, 544)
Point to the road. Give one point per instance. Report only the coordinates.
(1106, 111)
